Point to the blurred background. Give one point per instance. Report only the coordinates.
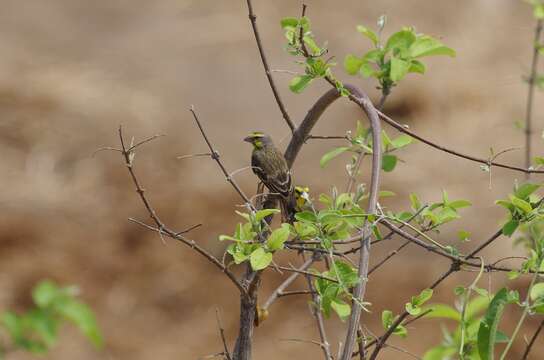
(72, 71)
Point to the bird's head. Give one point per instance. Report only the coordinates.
(258, 139)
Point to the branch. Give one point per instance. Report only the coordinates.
(253, 19)
(533, 339)
(222, 334)
(215, 156)
(530, 95)
(403, 129)
(284, 285)
(128, 155)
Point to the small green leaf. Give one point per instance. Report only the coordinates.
(521, 204)
(413, 310)
(289, 22)
(260, 259)
(352, 64)
(442, 311)
(261, 214)
(537, 291)
(278, 237)
(389, 162)
(458, 204)
(299, 83)
(342, 309)
(399, 69)
(368, 33)
(401, 141)
(427, 46)
(416, 67)
(306, 216)
(332, 154)
(510, 227)
(415, 202)
(367, 70)
(401, 40)
(525, 190)
(387, 319)
(463, 235)
(45, 293)
(82, 316)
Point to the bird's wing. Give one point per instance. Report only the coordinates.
(273, 171)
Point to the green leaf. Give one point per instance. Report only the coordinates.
(401, 40)
(306, 216)
(260, 259)
(423, 297)
(82, 316)
(427, 46)
(289, 22)
(463, 235)
(367, 70)
(412, 309)
(442, 311)
(352, 64)
(368, 33)
(374, 56)
(510, 227)
(415, 202)
(45, 293)
(458, 204)
(525, 190)
(261, 214)
(387, 319)
(521, 204)
(299, 83)
(489, 325)
(538, 11)
(401, 141)
(439, 353)
(389, 162)
(537, 291)
(342, 309)
(399, 69)
(332, 154)
(416, 67)
(278, 237)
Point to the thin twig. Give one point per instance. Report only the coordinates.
(253, 19)
(403, 129)
(530, 94)
(222, 334)
(215, 156)
(532, 341)
(284, 285)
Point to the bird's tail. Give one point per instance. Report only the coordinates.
(288, 207)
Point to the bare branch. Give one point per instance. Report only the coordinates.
(532, 341)
(403, 129)
(253, 19)
(530, 94)
(215, 156)
(284, 285)
(222, 334)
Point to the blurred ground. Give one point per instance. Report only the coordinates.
(72, 71)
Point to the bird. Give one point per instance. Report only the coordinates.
(302, 198)
(270, 166)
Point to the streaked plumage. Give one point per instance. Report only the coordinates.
(271, 167)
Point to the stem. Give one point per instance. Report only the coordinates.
(533, 339)
(522, 318)
(530, 95)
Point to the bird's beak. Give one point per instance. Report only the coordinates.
(248, 139)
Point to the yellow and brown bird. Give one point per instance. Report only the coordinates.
(271, 168)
